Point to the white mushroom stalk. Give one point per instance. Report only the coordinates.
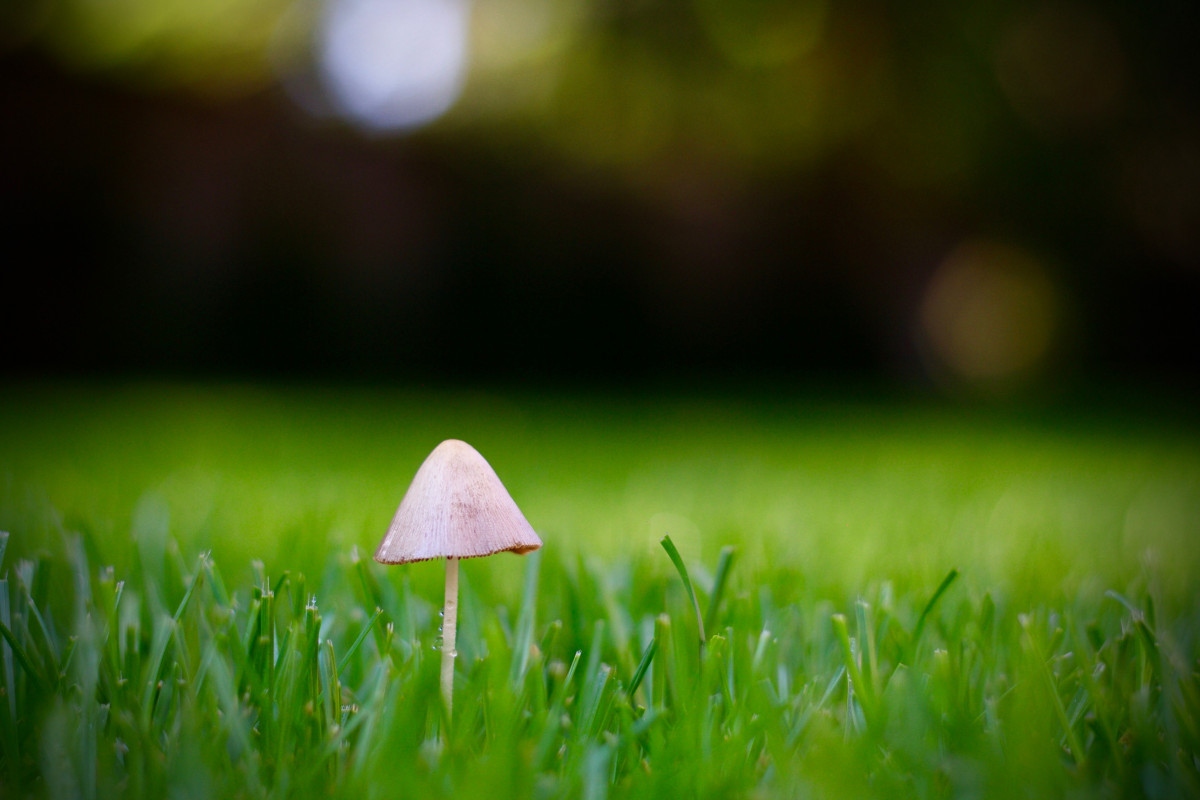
(456, 507)
(450, 634)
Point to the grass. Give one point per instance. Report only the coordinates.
(855, 600)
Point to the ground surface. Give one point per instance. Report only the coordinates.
(239, 645)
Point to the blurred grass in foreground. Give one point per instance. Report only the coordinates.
(1061, 659)
(842, 492)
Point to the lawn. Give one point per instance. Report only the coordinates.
(898, 597)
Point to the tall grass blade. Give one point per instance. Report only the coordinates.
(526, 621)
(642, 666)
(661, 675)
(164, 626)
(12, 742)
(677, 560)
(860, 687)
(187, 595)
(1047, 678)
(372, 592)
(592, 696)
(933, 601)
(724, 565)
(866, 643)
(349, 654)
(331, 687)
(551, 727)
(596, 773)
(23, 659)
(1146, 637)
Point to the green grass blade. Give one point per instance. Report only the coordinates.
(345, 660)
(550, 729)
(6, 659)
(595, 772)
(642, 666)
(592, 696)
(22, 658)
(526, 621)
(933, 601)
(43, 641)
(373, 594)
(1133, 610)
(662, 669)
(677, 560)
(187, 596)
(861, 688)
(1146, 636)
(164, 627)
(10, 731)
(215, 582)
(235, 724)
(866, 643)
(1043, 670)
(724, 565)
(331, 687)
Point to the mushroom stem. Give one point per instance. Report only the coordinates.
(449, 626)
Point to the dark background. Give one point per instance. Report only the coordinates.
(170, 228)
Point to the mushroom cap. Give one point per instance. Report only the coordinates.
(456, 507)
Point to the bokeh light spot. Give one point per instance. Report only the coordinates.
(394, 64)
(989, 313)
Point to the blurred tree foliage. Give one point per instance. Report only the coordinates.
(775, 181)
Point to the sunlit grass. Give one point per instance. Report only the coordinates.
(241, 644)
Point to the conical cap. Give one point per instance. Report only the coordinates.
(455, 507)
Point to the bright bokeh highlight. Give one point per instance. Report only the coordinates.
(394, 64)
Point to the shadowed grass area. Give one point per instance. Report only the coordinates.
(187, 608)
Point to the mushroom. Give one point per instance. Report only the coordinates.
(456, 507)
